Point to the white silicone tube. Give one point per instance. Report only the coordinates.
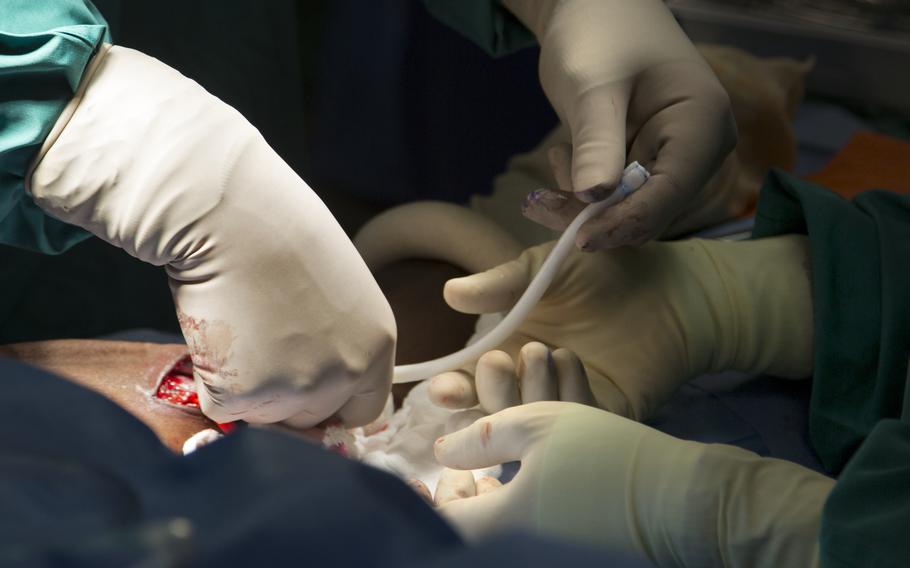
(633, 178)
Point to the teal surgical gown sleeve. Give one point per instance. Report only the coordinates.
(487, 23)
(860, 407)
(45, 46)
(866, 520)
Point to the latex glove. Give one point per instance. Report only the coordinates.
(643, 321)
(455, 484)
(281, 316)
(595, 477)
(621, 75)
(537, 374)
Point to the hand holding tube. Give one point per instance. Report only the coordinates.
(624, 78)
(643, 321)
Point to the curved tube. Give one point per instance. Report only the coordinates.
(633, 178)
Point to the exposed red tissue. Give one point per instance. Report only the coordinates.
(338, 448)
(178, 385)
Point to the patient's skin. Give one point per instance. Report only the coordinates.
(125, 372)
(128, 372)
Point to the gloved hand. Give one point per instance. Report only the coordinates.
(598, 478)
(538, 373)
(643, 321)
(282, 318)
(623, 75)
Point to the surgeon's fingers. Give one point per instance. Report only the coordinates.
(536, 373)
(476, 518)
(682, 145)
(463, 419)
(421, 489)
(496, 382)
(560, 158)
(503, 437)
(555, 209)
(454, 484)
(453, 389)
(688, 140)
(572, 378)
(598, 130)
(552, 209)
(643, 216)
(494, 290)
(592, 167)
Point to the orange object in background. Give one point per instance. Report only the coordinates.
(868, 161)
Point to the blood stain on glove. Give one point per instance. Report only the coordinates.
(210, 346)
(486, 430)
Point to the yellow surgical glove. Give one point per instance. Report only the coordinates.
(595, 477)
(643, 321)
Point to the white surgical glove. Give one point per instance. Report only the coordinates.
(595, 477)
(645, 320)
(282, 318)
(622, 75)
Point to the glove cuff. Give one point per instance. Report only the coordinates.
(139, 156)
(674, 501)
(736, 508)
(90, 69)
(621, 504)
